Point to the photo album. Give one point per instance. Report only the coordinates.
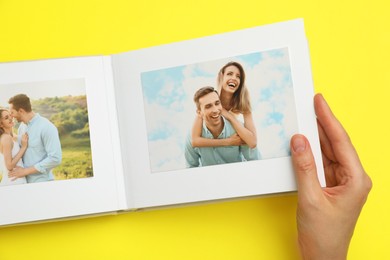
(194, 121)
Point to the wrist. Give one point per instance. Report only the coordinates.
(313, 249)
(226, 114)
(29, 170)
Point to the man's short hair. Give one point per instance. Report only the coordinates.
(20, 101)
(202, 92)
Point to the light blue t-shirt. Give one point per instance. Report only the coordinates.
(203, 156)
(43, 150)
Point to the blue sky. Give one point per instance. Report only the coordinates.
(170, 111)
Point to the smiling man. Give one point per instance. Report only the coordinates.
(209, 108)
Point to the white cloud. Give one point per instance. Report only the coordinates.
(158, 155)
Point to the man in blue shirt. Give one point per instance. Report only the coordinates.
(215, 126)
(44, 148)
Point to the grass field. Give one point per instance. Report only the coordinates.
(76, 159)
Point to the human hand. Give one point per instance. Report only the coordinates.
(226, 114)
(235, 140)
(326, 217)
(24, 141)
(17, 172)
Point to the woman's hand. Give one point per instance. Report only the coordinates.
(235, 140)
(227, 114)
(17, 172)
(326, 217)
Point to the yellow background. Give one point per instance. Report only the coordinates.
(349, 47)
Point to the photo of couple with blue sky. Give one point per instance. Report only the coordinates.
(170, 110)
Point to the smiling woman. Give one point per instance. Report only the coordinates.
(235, 100)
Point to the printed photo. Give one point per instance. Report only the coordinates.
(231, 110)
(44, 132)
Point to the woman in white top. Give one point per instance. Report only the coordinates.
(236, 106)
(10, 152)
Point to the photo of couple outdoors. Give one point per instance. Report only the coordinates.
(231, 110)
(34, 144)
(37, 149)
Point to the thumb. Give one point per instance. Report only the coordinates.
(304, 167)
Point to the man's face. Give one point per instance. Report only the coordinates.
(15, 114)
(210, 109)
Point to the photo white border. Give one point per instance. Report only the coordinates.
(146, 189)
(57, 199)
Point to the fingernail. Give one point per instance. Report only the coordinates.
(299, 144)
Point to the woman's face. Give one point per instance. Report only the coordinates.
(231, 79)
(6, 120)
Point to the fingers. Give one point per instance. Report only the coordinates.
(11, 174)
(337, 136)
(335, 142)
(326, 147)
(328, 158)
(304, 167)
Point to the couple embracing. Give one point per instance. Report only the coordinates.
(31, 156)
(224, 130)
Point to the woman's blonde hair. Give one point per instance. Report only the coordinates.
(1, 116)
(240, 101)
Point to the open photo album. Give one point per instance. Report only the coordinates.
(194, 121)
